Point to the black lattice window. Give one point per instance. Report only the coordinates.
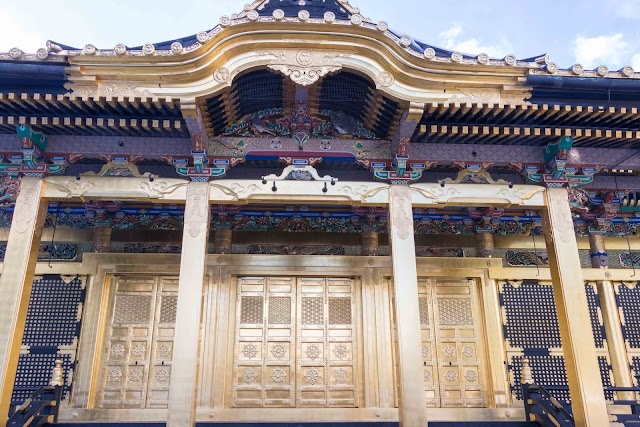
(531, 328)
(605, 374)
(635, 366)
(51, 332)
(530, 316)
(629, 301)
(546, 370)
(593, 301)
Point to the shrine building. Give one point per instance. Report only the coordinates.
(305, 216)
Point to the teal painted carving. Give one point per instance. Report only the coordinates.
(29, 138)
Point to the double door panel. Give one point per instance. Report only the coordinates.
(452, 343)
(295, 343)
(138, 345)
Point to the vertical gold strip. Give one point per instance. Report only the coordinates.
(585, 385)
(412, 405)
(207, 353)
(611, 319)
(495, 343)
(182, 396)
(615, 339)
(386, 384)
(369, 328)
(16, 281)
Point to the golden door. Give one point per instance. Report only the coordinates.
(295, 343)
(452, 343)
(138, 344)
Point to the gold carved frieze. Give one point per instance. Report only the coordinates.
(488, 95)
(305, 66)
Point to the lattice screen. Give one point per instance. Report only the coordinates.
(51, 332)
(628, 300)
(530, 325)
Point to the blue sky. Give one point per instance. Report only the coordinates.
(590, 32)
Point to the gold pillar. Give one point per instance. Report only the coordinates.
(184, 366)
(101, 240)
(222, 240)
(585, 385)
(370, 243)
(611, 319)
(412, 404)
(16, 281)
(485, 246)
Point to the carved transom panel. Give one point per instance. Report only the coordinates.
(132, 309)
(280, 310)
(251, 309)
(340, 311)
(454, 311)
(312, 311)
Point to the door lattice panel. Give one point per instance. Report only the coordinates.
(51, 332)
(139, 343)
(302, 351)
(530, 326)
(628, 301)
(452, 343)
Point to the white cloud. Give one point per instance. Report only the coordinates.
(611, 50)
(635, 62)
(625, 9)
(453, 39)
(15, 32)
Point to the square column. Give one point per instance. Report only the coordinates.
(184, 366)
(17, 279)
(412, 404)
(585, 384)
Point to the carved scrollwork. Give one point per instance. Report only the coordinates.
(402, 213)
(197, 205)
(159, 190)
(305, 66)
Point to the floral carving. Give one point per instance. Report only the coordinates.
(341, 376)
(341, 351)
(278, 351)
(162, 376)
(278, 376)
(138, 350)
(451, 376)
(471, 376)
(426, 353)
(164, 351)
(117, 350)
(135, 375)
(448, 351)
(312, 376)
(468, 351)
(312, 352)
(114, 375)
(427, 376)
(249, 376)
(250, 351)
